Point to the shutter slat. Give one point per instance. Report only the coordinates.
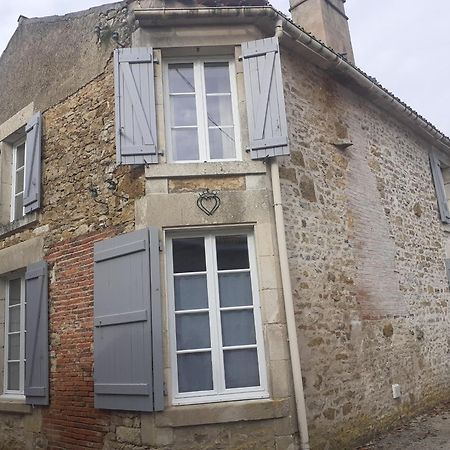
(121, 250)
(36, 345)
(135, 106)
(122, 389)
(32, 189)
(126, 318)
(265, 98)
(116, 319)
(440, 188)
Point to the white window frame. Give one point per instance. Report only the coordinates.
(14, 177)
(219, 392)
(201, 110)
(19, 394)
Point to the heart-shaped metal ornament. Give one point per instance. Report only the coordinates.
(208, 202)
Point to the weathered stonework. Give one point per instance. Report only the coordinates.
(367, 253)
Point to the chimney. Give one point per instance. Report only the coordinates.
(326, 20)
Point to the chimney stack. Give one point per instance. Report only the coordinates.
(326, 20)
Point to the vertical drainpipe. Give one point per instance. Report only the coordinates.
(287, 293)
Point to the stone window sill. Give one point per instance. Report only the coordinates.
(16, 225)
(204, 169)
(212, 413)
(14, 406)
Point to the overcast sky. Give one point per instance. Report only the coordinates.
(403, 43)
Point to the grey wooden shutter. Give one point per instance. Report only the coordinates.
(128, 367)
(439, 186)
(135, 106)
(32, 191)
(36, 342)
(266, 111)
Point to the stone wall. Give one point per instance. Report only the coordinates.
(49, 58)
(78, 161)
(366, 251)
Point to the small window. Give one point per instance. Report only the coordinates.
(216, 333)
(17, 182)
(201, 111)
(441, 177)
(14, 373)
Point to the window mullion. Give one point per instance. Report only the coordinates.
(22, 336)
(235, 110)
(201, 113)
(172, 326)
(13, 184)
(205, 114)
(213, 308)
(6, 355)
(214, 269)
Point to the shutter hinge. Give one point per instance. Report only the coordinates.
(160, 246)
(164, 389)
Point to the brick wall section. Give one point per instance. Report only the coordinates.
(365, 242)
(72, 422)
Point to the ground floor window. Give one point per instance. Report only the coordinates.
(215, 323)
(14, 372)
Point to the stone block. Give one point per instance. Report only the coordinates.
(128, 435)
(268, 272)
(285, 443)
(281, 378)
(271, 306)
(156, 186)
(33, 421)
(276, 338)
(256, 182)
(222, 183)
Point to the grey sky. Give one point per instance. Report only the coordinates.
(402, 43)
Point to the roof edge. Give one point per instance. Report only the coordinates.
(326, 56)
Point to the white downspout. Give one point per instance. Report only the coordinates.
(287, 294)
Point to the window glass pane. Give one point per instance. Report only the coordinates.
(219, 110)
(182, 109)
(14, 291)
(238, 328)
(18, 205)
(241, 368)
(14, 318)
(185, 144)
(190, 292)
(19, 180)
(192, 331)
(14, 346)
(232, 252)
(20, 156)
(13, 376)
(235, 289)
(181, 78)
(195, 372)
(189, 255)
(221, 143)
(217, 77)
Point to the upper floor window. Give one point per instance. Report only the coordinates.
(17, 182)
(201, 112)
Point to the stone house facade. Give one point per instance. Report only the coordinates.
(216, 232)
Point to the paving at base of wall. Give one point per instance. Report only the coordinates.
(426, 432)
